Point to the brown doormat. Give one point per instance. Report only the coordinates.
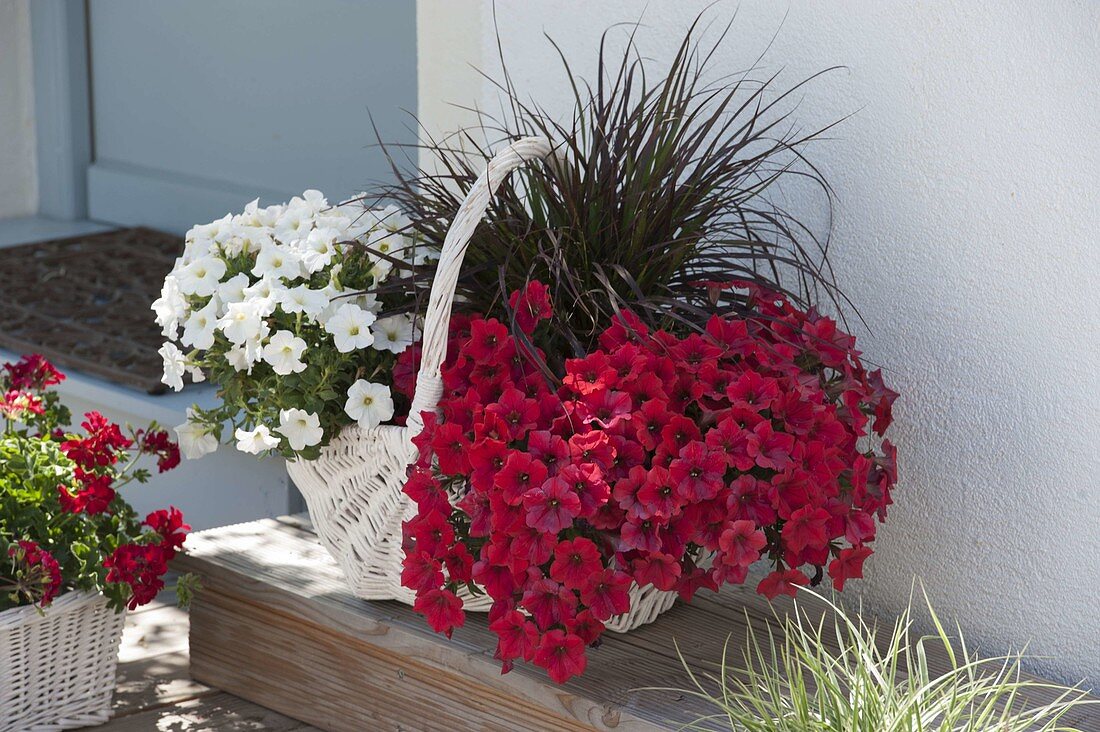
(84, 302)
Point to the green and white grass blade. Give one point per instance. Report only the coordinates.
(837, 673)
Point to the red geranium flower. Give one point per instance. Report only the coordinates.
(168, 523)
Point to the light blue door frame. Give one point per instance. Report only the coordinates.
(180, 112)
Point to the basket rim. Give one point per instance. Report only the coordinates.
(68, 602)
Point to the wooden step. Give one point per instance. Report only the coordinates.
(276, 625)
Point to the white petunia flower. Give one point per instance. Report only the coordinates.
(262, 295)
(318, 249)
(389, 218)
(302, 429)
(195, 439)
(350, 328)
(393, 334)
(175, 365)
(242, 322)
(198, 330)
(276, 261)
(248, 240)
(301, 299)
(369, 404)
(240, 358)
(170, 307)
(284, 353)
(294, 223)
(314, 200)
(257, 441)
(201, 277)
(232, 290)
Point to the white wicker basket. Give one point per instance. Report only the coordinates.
(57, 668)
(353, 490)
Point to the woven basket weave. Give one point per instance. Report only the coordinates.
(353, 490)
(57, 668)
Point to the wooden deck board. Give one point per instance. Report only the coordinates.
(305, 621)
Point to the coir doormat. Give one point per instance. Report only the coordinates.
(83, 302)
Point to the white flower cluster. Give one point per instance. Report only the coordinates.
(242, 277)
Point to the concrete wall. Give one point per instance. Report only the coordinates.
(966, 232)
(18, 178)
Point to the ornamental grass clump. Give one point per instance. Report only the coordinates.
(661, 193)
(654, 460)
(837, 673)
(296, 312)
(63, 523)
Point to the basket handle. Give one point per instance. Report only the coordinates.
(429, 382)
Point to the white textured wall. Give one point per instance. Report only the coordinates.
(966, 230)
(18, 177)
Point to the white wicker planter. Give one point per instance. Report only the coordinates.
(353, 490)
(57, 669)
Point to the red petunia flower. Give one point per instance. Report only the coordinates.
(531, 305)
(432, 532)
(657, 569)
(697, 472)
(421, 572)
(806, 528)
(753, 391)
(607, 593)
(552, 506)
(593, 446)
(658, 496)
(549, 602)
(585, 626)
(740, 544)
(520, 474)
(782, 582)
(590, 374)
(848, 565)
(575, 561)
(775, 448)
(562, 655)
(442, 609)
(517, 637)
(519, 413)
(451, 448)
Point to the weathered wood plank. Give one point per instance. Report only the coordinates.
(212, 713)
(155, 682)
(153, 632)
(274, 576)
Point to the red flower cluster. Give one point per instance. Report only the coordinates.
(142, 566)
(659, 460)
(37, 573)
(86, 510)
(101, 445)
(159, 443)
(17, 405)
(32, 373)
